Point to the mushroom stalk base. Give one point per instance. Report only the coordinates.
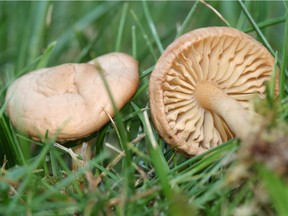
(213, 99)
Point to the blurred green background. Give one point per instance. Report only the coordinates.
(84, 29)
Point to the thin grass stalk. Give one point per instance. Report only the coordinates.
(54, 163)
(10, 144)
(216, 12)
(145, 36)
(147, 72)
(43, 61)
(160, 165)
(152, 27)
(39, 11)
(267, 23)
(283, 75)
(98, 12)
(88, 52)
(121, 27)
(221, 148)
(256, 27)
(242, 18)
(134, 42)
(271, 89)
(187, 19)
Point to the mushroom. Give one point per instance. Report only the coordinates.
(70, 101)
(202, 86)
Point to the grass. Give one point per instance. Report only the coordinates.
(143, 176)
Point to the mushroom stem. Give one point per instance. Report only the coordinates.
(212, 98)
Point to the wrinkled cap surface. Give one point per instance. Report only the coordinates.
(71, 99)
(229, 59)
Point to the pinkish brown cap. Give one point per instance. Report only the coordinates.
(71, 99)
(230, 63)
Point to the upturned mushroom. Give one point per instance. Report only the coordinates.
(70, 101)
(202, 86)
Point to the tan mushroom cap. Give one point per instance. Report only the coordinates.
(197, 78)
(71, 99)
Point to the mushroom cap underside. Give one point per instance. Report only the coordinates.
(71, 100)
(229, 59)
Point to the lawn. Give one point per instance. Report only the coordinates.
(133, 171)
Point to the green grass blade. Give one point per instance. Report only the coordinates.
(230, 11)
(146, 72)
(54, 163)
(242, 18)
(283, 75)
(271, 84)
(145, 36)
(229, 145)
(256, 27)
(267, 23)
(39, 11)
(134, 42)
(152, 26)
(216, 12)
(107, 172)
(88, 51)
(95, 14)
(277, 189)
(187, 19)
(46, 55)
(121, 27)
(9, 145)
(161, 167)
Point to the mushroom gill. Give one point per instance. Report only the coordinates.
(195, 71)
